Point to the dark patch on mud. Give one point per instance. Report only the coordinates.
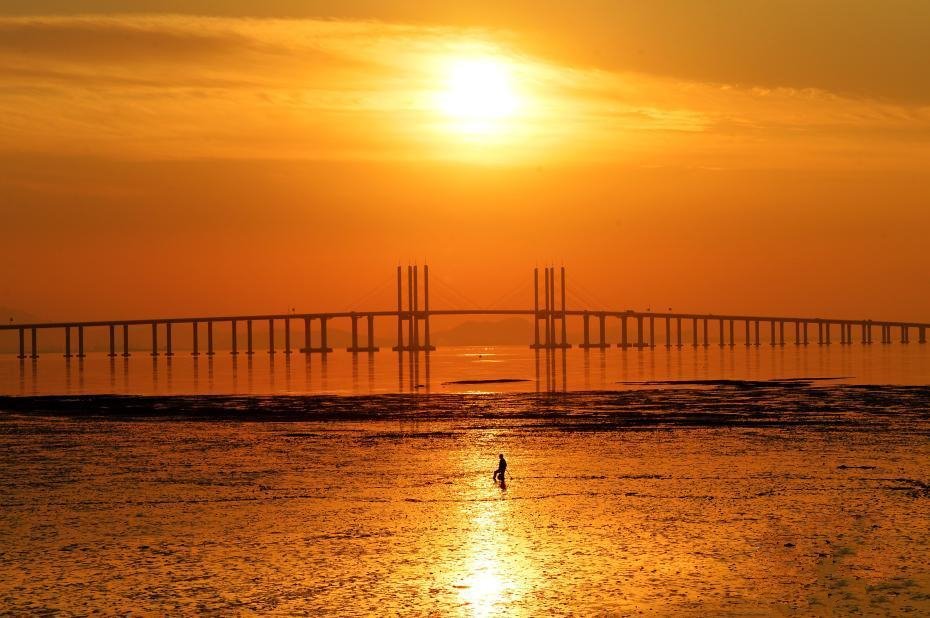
(489, 381)
(773, 383)
(838, 407)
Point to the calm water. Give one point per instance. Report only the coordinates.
(779, 498)
(385, 372)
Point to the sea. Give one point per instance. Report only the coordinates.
(744, 481)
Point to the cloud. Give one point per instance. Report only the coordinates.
(174, 86)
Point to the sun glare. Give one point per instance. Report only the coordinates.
(479, 95)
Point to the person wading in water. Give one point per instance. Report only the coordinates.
(501, 469)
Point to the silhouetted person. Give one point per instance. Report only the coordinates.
(501, 469)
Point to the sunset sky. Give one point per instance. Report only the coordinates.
(190, 156)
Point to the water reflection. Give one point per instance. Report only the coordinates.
(491, 571)
(287, 373)
(453, 369)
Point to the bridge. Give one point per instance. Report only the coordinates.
(549, 314)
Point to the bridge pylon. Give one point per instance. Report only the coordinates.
(548, 314)
(413, 320)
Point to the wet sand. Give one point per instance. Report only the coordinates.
(730, 499)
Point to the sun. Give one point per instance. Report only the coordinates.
(479, 95)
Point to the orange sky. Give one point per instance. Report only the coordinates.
(756, 156)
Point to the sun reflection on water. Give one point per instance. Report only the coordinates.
(490, 573)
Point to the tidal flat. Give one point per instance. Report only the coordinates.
(806, 498)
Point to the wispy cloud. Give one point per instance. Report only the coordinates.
(182, 87)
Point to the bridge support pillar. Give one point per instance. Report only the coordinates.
(426, 341)
(781, 333)
(400, 313)
(248, 338)
(652, 331)
(797, 332)
(210, 338)
(678, 329)
(81, 342)
(758, 338)
(694, 332)
(602, 331)
(668, 332)
(904, 334)
(234, 349)
(125, 340)
(826, 332)
(371, 334)
(271, 337)
(168, 351)
(586, 328)
(565, 343)
(411, 324)
(195, 332)
(922, 334)
(35, 348)
(22, 343)
(112, 341)
(732, 334)
(772, 332)
(287, 336)
(748, 336)
(67, 342)
(154, 339)
(639, 331)
(354, 347)
(624, 340)
(370, 347)
(819, 333)
(324, 345)
(721, 332)
(806, 330)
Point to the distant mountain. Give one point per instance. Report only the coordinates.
(508, 331)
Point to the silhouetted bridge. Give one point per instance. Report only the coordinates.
(637, 329)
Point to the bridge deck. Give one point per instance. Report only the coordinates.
(463, 313)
